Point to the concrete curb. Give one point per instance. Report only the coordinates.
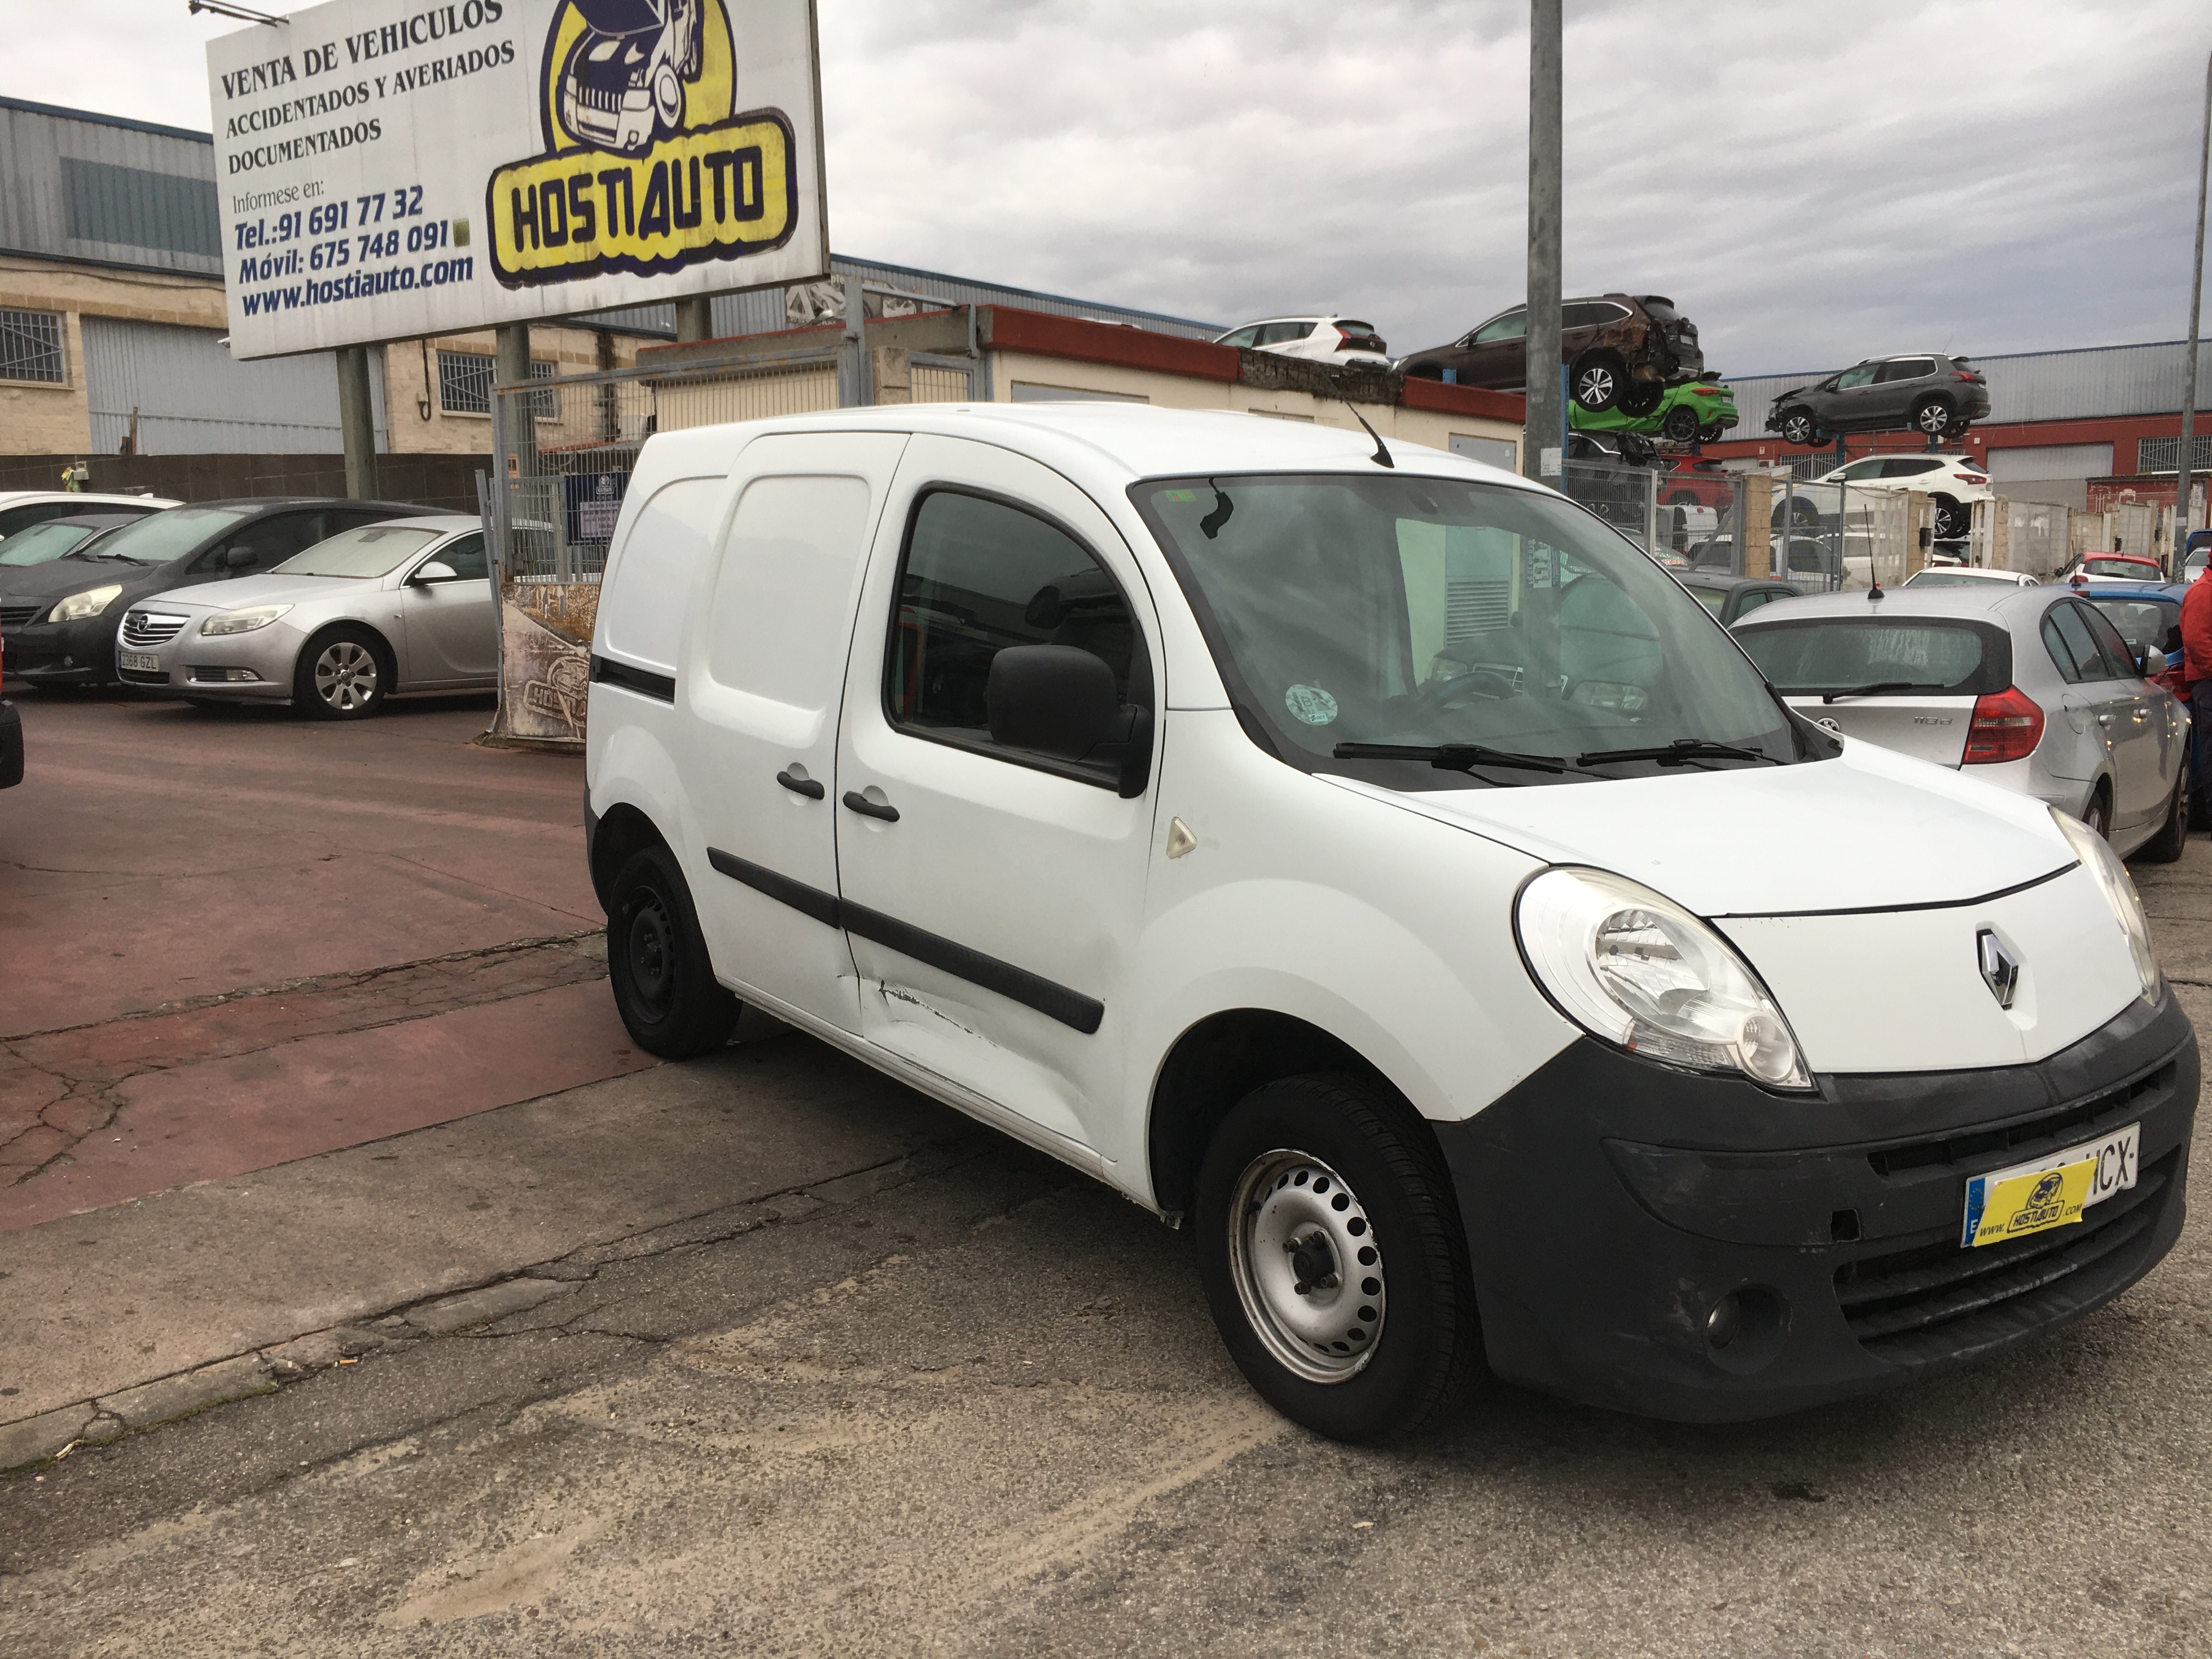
(30, 1441)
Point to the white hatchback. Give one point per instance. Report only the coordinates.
(1369, 861)
(1954, 482)
(1324, 339)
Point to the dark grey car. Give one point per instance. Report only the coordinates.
(1928, 392)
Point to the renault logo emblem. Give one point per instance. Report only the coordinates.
(1999, 971)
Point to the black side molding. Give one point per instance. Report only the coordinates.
(1071, 1008)
(807, 900)
(660, 687)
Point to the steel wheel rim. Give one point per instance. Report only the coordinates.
(651, 942)
(1293, 1221)
(346, 676)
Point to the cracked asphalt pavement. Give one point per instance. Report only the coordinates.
(765, 1355)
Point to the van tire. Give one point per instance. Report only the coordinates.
(1354, 1133)
(657, 962)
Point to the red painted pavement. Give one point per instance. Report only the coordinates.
(226, 1117)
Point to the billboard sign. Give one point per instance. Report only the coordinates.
(389, 169)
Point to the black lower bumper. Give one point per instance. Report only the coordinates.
(11, 744)
(1611, 1205)
(81, 653)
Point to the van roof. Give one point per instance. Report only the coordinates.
(1137, 439)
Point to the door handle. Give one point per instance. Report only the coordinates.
(810, 788)
(860, 804)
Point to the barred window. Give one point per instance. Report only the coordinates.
(31, 346)
(464, 382)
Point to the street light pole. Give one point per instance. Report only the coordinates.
(1541, 439)
(2182, 467)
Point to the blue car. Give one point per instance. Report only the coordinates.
(2149, 618)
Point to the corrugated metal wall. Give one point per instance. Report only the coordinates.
(120, 192)
(2034, 385)
(194, 398)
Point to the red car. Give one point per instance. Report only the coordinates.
(2110, 567)
(1695, 483)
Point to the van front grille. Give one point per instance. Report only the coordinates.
(1939, 1301)
(2011, 1143)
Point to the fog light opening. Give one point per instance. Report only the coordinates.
(1746, 1328)
(1725, 1323)
(1844, 1227)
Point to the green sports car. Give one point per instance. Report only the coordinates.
(1693, 411)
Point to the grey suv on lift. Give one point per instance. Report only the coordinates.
(1935, 395)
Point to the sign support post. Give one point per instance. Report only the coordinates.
(357, 422)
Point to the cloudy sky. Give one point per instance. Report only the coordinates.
(1812, 185)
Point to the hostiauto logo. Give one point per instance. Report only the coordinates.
(648, 165)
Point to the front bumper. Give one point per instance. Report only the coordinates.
(11, 744)
(80, 652)
(1610, 1204)
(191, 666)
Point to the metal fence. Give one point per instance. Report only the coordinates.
(1821, 537)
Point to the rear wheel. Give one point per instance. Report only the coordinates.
(1681, 424)
(1953, 519)
(1335, 1262)
(2173, 836)
(657, 962)
(1932, 415)
(1710, 433)
(1640, 397)
(343, 675)
(2097, 814)
(1597, 382)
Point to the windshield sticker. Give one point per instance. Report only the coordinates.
(1311, 704)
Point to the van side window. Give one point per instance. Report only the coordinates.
(980, 576)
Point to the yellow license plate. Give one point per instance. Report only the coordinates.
(2034, 1197)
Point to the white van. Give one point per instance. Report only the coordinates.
(1370, 861)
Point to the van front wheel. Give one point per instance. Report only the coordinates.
(1334, 1259)
(657, 962)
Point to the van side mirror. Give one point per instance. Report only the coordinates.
(1058, 701)
(434, 570)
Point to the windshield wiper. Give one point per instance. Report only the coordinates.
(1880, 686)
(1677, 753)
(1455, 757)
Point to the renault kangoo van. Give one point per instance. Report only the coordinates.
(1370, 862)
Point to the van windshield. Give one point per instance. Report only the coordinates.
(1345, 609)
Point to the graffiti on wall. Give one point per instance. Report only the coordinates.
(545, 642)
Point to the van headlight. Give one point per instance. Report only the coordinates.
(1642, 972)
(2118, 888)
(90, 603)
(241, 622)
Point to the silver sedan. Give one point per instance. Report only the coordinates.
(2031, 688)
(404, 605)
